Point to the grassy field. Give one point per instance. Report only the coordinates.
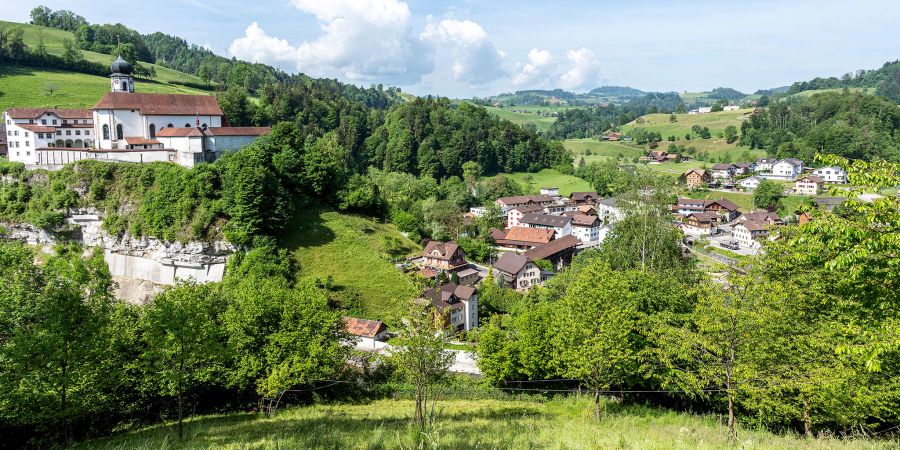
(870, 91)
(742, 199)
(541, 122)
(533, 182)
(352, 250)
(466, 424)
(715, 121)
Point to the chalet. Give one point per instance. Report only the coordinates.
(655, 156)
(750, 183)
(366, 332)
(696, 178)
(704, 223)
(723, 170)
(443, 257)
(831, 174)
(457, 304)
(748, 233)
(583, 198)
(586, 228)
(763, 165)
(519, 200)
(723, 207)
(763, 217)
(804, 217)
(514, 215)
(609, 211)
(558, 251)
(588, 210)
(808, 185)
(560, 224)
(517, 271)
(525, 238)
(687, 206)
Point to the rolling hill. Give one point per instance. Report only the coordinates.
(25, 86)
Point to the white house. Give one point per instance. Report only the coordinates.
(731, 108)
(763, 165)
(365, 332)
(586, 228)
(704, 110)
(808, 185)
(609, 211)
(458, 303)
(517, 271)
(551, 191)
(831, 174)
(750, 183)
(126, 126)
(562, 225)
(514, 215)
(748, 233)
(788, 168)
(723, 170)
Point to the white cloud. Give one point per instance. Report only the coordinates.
(584, 70)
(537, 68)
(475, 58)
(361, 40)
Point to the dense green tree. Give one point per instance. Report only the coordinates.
(767, 195)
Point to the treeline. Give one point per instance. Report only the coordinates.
(580, 123)
(852, 125)
(805, 340)
(885, 80)
(78, 363)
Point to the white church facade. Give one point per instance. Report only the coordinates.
(125, 126)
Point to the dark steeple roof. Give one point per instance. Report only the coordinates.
(120, 66)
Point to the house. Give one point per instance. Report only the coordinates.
(804, 217)
(723, 207)
(588, 210)
(560, 224)
(550, 191)
(788, 168)
(763, 216)
(696, 178)
(365, 331)
(525, 238)
(748, 234)
(687, 206)
(583, 198)
(704, 110)
(700, 224)
(457, 304)
(764, 165)
(586, 228)
(443, 257)
(608, 210)
(750, 183)
(831, 174)
(124, 126)
(3, 138)
(808, 185)
(743, 168)
(519, 200)
(613, 136)
(655, 156)
(558, 251)
(517, 271)
(730, 108)
(723, 170)
(469, 277)
(514, 215)
(828, 203)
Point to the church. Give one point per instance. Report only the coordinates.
(125, 126)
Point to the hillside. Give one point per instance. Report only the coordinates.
(463, 424)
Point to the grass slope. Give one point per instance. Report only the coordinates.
(533, 182)
(463, 424)
(541, 122)
(351, 249)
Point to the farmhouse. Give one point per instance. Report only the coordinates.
(443, 257)
(583, 198)
(696, 178)
(520, 200)
(723, 170)
(764, 217)
(748, 233)
(517, 271)
(808, 185)
(704, 223)
(723, 207)
(525, 238)
(125, 126)
(366, 331)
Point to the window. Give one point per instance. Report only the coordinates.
(152, 131)
(26, 134)
(68, 132)
(64, 121)
(59, 132)
(30, 120)
(187, 125)
(17, 132)
(54, 121)
(119, 133)
(169, 125)
(87, 132)
(124, 85)
(105, 131)
(77, 132)
(27, 153)
(28, 143)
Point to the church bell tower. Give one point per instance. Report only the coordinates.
(121, 80)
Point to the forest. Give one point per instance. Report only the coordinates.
(885, 81)
(580, 123)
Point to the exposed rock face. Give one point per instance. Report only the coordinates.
(140, 265)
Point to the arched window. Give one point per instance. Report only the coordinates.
(124, 85)
(119, 134)
(60, 143)
(204, 126)
(69, 143)
(169, 125)
(152, 131)
(187, 125)
(105, 132)
(88, 143)
(78, 143)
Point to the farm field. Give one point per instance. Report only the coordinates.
(353, 251)
(601, 150)
(533, 182)
(541, 122)
(466, 424)
(715, 121)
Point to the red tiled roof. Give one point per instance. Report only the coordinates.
(526, 234)
(34, 113)
(364, 327)
(162, 104)
(584, 220)
(179, 132)
(238, 131)
(37, 128)
(553, 247)
(138, 140)
(445, 250)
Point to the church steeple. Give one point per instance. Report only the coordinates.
(120, 79)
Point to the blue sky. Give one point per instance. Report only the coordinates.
(466, 48)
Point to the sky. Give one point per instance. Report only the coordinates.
(466, 48)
